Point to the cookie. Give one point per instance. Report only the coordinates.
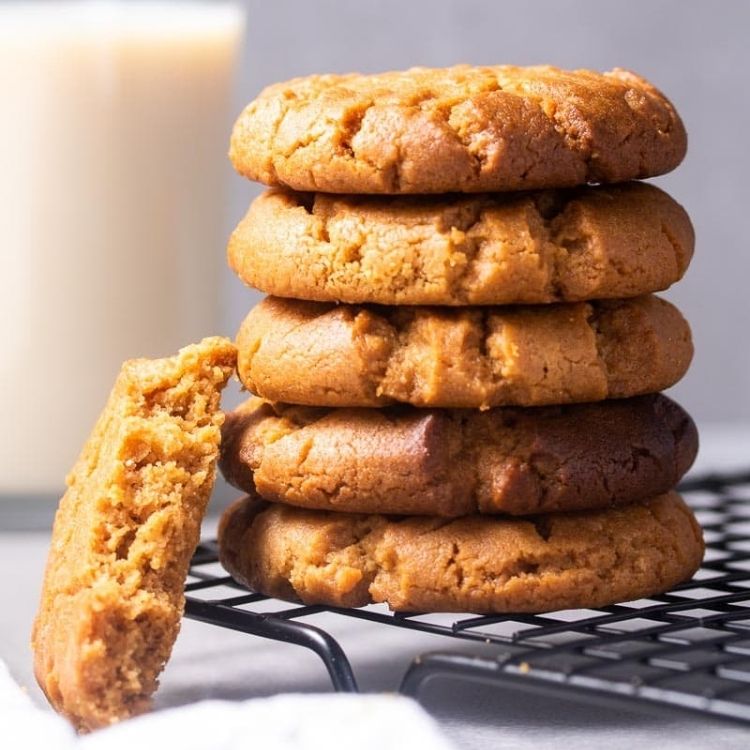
(551, 246)
(460, 129)
(440, 462)
(481, 564)
(126, 528)
(320, 354)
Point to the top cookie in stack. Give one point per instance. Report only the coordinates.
(461, 129)
(455, 213)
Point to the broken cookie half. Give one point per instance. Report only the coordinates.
(124, 533)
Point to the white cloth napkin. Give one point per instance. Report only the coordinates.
(285, 722)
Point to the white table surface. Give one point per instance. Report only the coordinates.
(212, 662)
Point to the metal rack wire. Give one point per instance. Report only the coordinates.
(687, 649)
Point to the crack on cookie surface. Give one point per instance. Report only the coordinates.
(485, 249)
(493, 128)
(466, 358)
(588, 559)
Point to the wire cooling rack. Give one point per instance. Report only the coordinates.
(688, 649)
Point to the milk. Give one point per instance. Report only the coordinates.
(113, 134)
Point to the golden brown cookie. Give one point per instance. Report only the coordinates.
(444, 462)
(460, 129)
(482, 564)
(320, 354)
(551, 246)
(113, 589)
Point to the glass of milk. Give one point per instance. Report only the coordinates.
(113, 135)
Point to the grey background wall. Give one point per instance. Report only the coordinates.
(697, 51)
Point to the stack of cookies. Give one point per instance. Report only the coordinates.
(457, 375)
